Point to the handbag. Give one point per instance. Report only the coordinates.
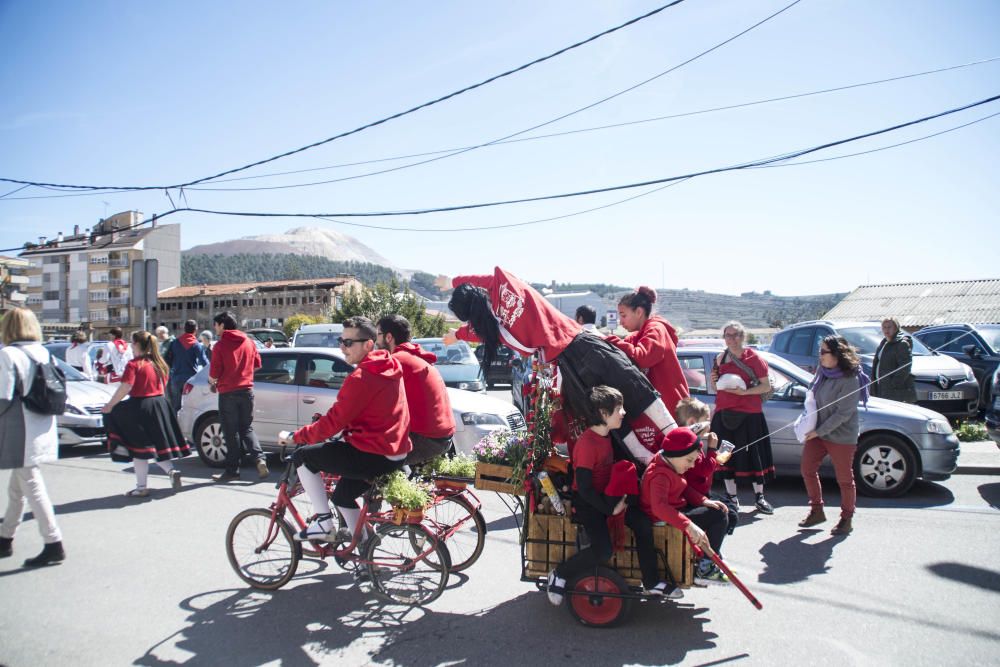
(805, 423)
(754, 380)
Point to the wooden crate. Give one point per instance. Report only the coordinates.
(551, 539)
(495, 477)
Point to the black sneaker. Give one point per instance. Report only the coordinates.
(666, 590)
(734, 499)
(763, 506)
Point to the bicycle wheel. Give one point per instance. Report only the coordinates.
(462, 527)
(262, 552)
(402, 571)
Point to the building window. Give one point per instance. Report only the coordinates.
(51, 296)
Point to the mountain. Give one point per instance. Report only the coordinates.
(299, 241)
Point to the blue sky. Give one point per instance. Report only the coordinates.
(149, 93)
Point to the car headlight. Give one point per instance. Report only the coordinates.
(940, 426)
(471, 386)
(482, 419)
(73, 410)
(969, 375)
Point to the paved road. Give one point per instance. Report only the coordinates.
(147, 582)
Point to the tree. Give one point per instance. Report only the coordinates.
(386, 299)
(293, 322)
(423, 283)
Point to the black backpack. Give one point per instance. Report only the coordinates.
(47, 393)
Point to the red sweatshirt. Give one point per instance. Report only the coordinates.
(234, 359)
(653, 348)
(370, 410)
(528, 321)
(426, 393)
(664, 493)
(699, 477)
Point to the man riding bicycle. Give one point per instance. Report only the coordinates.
(432, 423)
(372, 418)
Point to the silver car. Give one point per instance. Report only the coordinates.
(82, 422)
(295, 384)
(899, 442)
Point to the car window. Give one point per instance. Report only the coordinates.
(780, 343)
(326, 372)
(781, 384)
(801, 343)
(934, 339)
(954, 341)
(992, 337)
(866, 339)
(694, 372)
(72, 375)
(321, 339)
(275, 369)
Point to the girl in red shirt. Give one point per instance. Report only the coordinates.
(144, 427)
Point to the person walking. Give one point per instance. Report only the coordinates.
(187, 357)
(739, 416)
(207, 341)
(892, 374)
(164, 338)
(144, 428)
(120, 352)
(234, 360)
(839, 379)
(78, 354)
(27, 438)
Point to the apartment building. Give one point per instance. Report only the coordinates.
(84, 279)
(12, 283)
(262, 304)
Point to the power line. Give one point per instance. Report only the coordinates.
(371, 124)
(459, 207)
(559, 134)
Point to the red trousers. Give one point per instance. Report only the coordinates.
(842, 456)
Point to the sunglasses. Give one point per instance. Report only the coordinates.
(822, 352)
(348, 342)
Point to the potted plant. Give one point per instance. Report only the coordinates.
(500, 462)
(449, 473)
(408, 499)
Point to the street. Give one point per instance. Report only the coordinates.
(147, 582)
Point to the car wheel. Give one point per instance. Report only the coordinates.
(210, 443)
(884, 466)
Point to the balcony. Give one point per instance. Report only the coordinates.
(120, 262)
(117, 283)
(118, 301)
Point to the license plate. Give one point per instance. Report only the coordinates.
(945, 395)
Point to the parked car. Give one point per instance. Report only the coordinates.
(82, 423)
(500, 369)
(943, 384)
(318, 335)
(976, 345)
(58, 348)
(899, 442)
(277, 336)
(294, 384)
(520, 380)
(993, 412)
(456, 363)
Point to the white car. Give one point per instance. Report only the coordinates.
(295, 384)
(82, 422)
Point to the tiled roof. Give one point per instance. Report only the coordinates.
(187, 291)
(122, 240)
(923, 304)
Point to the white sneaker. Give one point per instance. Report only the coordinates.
(555, 587)
(320, 529)
(666, 590)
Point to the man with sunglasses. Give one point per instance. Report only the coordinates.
(372, 420)
(432, 423)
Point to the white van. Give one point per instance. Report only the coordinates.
(318, 335)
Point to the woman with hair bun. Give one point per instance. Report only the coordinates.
(652, 346)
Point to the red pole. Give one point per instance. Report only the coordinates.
(729, 573)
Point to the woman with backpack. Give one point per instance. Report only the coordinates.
(739, 415)
(144, 428)
(27, 437)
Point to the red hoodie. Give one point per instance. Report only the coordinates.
(370, 410)
(234, 359)
(527, 320)
(664, 493)
(187, 340)
(426, 393)
(699, 477)
(653, 348)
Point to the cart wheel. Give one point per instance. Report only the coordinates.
(590, 607)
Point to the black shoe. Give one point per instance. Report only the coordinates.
(225, 476)
(763, 506)
(6, 547)
(51, 554)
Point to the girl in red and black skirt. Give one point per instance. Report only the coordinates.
(739, 417)
(144, 428)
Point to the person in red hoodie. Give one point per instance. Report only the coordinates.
(186, 357)
(666, 497)
(234, 360)
(432, 423)
(652, 346)
(502, 309)
(696, 416)
(371, 415)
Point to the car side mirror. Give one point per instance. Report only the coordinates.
(798, 393)
(971, 350)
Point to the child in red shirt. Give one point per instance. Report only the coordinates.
(595, 478)
(667, 497)
(696, 415)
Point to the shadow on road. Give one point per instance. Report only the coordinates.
(793, 559)
(991, 494)
(310, 623)
(977, 577)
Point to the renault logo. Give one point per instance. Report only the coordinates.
(943, 381)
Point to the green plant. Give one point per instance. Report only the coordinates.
(971, 432)
(399, 491)
(459, 466)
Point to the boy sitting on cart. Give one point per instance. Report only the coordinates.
(593, 461)
(667, 497)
